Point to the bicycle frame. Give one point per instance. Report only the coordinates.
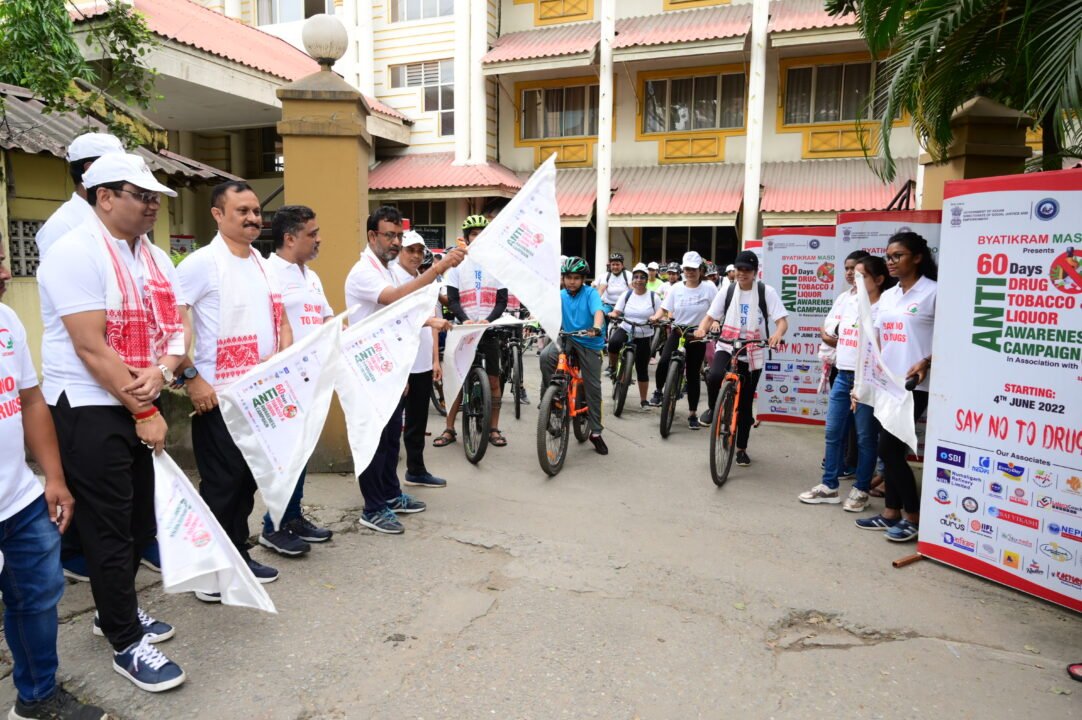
(570, 369)
(733, 374)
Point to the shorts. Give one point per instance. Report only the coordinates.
(489, 351)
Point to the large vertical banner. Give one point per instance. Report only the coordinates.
(799, 263)
(1002, 491)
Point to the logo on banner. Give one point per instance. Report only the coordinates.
(983, 466)
(969, 504)
(1015, 540)
(956, 215)
(1019, 497)
(1034, 568)
(1013, 517)
(1046, 209)
(1043, 478)
(1073, 484)
(813, 244)
(1071, 581)
(961, 543)
(952, 521)
(1065, 508)
(1010, 470)
(981, 528)
(943, 475)
(942, 497)
(987, 550)
(950, 456)
(1065, 531)
(1012, 560)
(995, 489)
(1057, 553)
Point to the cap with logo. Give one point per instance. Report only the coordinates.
(673, 267)
(412, 237)
(653, 266)
(124, 167)
(92, 145)
(639, 268)
(692, 259)
(616, 256)
(746, 260)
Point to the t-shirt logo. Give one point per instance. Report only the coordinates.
(744, 308)
(913, 308)
(7, 343)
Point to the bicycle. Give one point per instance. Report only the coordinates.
(560, 409)
(511, 347)
(476, 411)
(625, 368)
(727, 413)
(438, 401)
(675, 382)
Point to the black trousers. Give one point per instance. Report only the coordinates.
(111, 476)
(695, 354)
(901, 487)
(642, 352)
(225, 482)
(379, 481)
(413, 437)
(745, 418)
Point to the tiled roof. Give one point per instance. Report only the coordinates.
(829, 185)
(683, 26)
(384, 109)
(788, 15)
(692, 189)
(437, 170)
(576, 191)
(556, 41)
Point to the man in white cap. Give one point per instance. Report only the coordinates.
(113, 338)
(82, 153)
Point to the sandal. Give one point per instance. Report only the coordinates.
(876, 489)
(1075, 671)
(446, 437)
(496, 438)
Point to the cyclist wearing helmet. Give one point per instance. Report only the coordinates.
(475, 297)
(613, 285)
(712, 273)
(581, 307)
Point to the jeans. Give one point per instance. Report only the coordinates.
(293, 507)
(838, 420)
(32, 583)
(379, 481)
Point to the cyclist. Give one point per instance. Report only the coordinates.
(581, 305)
(476, 298)
(686, 303)
(637, 305)
(653, 280)
(613, 285)
(744, 311)
(712, 273)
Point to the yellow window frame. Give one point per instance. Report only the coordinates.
(571, 151)
(686, 4)
(586, 13)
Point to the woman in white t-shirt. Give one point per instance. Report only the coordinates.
(906, 315)
(637, 305)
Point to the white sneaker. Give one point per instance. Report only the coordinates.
(856, 502)
(820, 494)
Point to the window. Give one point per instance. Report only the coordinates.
(272, 158)
(581, 242)
(272, 12)
(668, 244)
(563, 10)
(22, 248)
(406, 10)
(437, 77)
(559, 112)
(707, 102)
(427, 217)
(836, 93)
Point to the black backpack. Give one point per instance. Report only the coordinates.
(762, 304)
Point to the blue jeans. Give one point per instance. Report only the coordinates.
(293, 507)
(32, 583)
(838, 415)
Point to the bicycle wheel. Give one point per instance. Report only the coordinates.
(656, 341)
(476, 414)
(437, 398)
(552, 429)
(581, 425)
(723, 434)
(670, 395)
(516, 379)
(623, 381)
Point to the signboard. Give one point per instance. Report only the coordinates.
(799, 263)
(1002, 491)
(434, 235)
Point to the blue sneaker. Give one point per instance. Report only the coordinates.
(75, 569)
(208, 597)
(876, 522)
(847, 473)
(306, 530)
(382, 521)
(147, 667)
(406, 504)
(154, 631)
(426, 480)
(903, 531)
(151, 558)
(263, 573)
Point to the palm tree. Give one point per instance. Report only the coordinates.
(1026, 54)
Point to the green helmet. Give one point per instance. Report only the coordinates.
(575, 265)
(474, 221)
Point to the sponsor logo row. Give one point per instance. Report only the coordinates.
(986, 467)
(1047, 561)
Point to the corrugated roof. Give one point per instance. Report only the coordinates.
(829, 185)
(788, 15)
(384, 109)
(709, 23)
(576, 191)
(437, 170)
(692, 189)
(555, 41)
(27, 128)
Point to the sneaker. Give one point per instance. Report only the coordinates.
(263, 573)
(707, 417)
(655, 399)
(742, 458)
(847, 473)
(903, 531)
(693, 422)
(61, 706)
(856, 502)
(383, 521)
(644, 405)
(75, 569)
(599, 444)
(208, 597)
(426, 480)
(406, 504)
(876, 522)
(283, 542)
(303, 528)
(820, 494)
(147, 667)
(154, 631)
(610, 373)
(523, 397)
(151, 558)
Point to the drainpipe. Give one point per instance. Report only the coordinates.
(462, 82)
(753, 157)
(604, 134)
(478, 96)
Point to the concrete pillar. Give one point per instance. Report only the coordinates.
(478, 96)
(989, 140)
(753, 153)
(604, 135)
(462, 82)
(236, 154)
(187, 214)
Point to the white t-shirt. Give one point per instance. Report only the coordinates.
(616, 286)
(67, 217)
(745, 300)
(198, 274)
(638, 308)
(18, 486)
(905, 325)
(365, 282)
(688, 306)
(302, 294)
(663, 289)
(476, 288)
(846, 324)
(73, 280)
(423, 362)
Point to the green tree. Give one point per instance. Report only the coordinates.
(1026, 54)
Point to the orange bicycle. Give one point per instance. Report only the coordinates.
(727, 413)
(561, 410)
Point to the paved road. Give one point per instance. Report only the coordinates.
(626, 587)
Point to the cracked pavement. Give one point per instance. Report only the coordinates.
(626, 587)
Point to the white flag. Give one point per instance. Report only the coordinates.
(460, 351)
(521, 247)
(376, 356)
(276, 411)
(196, 554)
(874, 383)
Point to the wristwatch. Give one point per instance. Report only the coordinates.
(189, 373)
(167, 374)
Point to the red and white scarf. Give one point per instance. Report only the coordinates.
(731, 329)
(238, 345)
(141, 326)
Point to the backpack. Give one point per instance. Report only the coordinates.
(762, 304)
(653, 299)
(608, 276)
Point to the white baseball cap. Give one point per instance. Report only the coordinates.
(692, 259)
(123, 167)
(412, 237)
(652, 266)
(92, 145)
(638, 268)
(730, 268)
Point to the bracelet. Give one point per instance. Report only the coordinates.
(145, 416)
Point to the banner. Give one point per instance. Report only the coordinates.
(799, 264)
(375, 358)
(196, 554)
(869, 231)
(521, 247)
(460, 350)
(276, 411)
(1003, 483)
